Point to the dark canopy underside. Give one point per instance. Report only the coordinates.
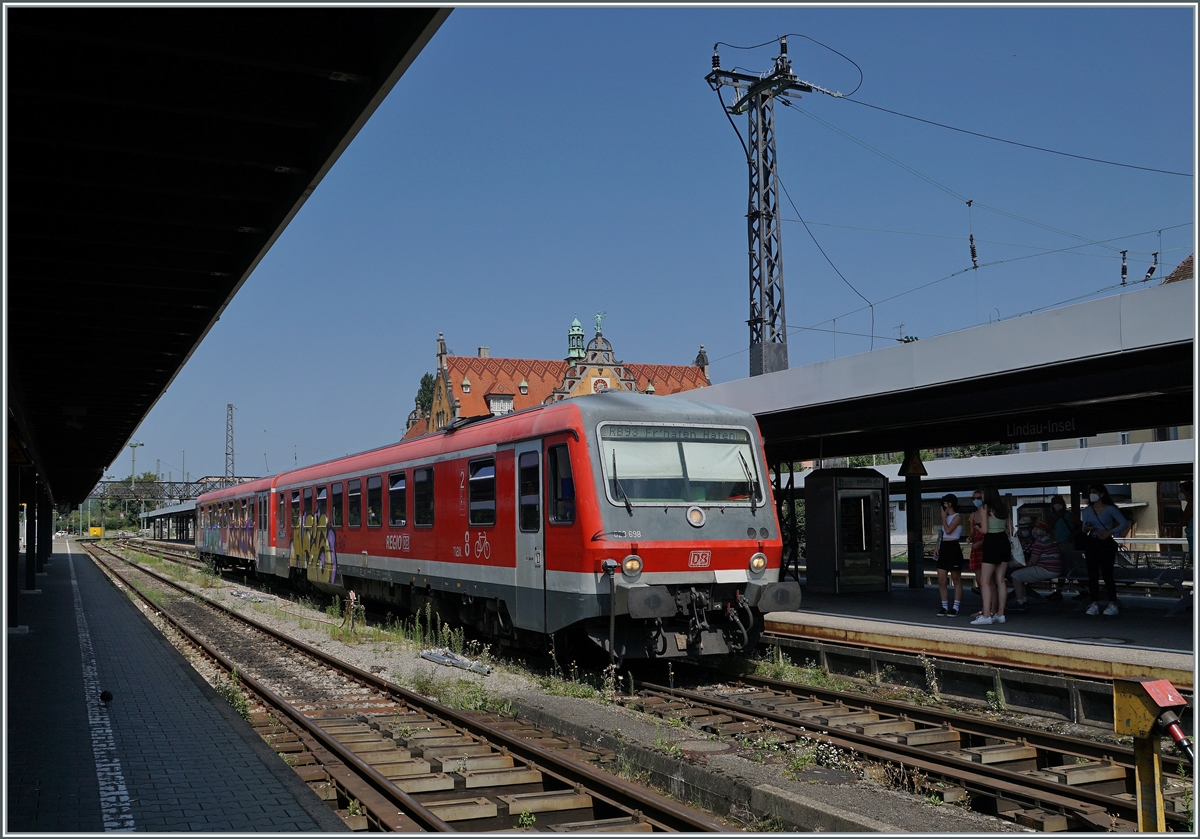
(154, 155)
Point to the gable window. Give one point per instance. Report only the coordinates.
(397, 499)
(483, 491)
(374, 501)
(423, 497)
(354, 496)
(500, 404)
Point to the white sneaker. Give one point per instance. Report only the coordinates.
(1111, 609)
(997, 618)
(1093, 609)
(982, 620)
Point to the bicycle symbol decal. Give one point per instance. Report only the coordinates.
(483, 548)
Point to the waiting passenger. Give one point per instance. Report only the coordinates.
(1063, 525)
(950, 556)
(978, 529)
(1101, 522)
(996, 553)
(1042, 562)
(1025, 533)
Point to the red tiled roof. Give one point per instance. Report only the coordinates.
(1185, 271)
(503, 375)
(419, 427)
(668, 378)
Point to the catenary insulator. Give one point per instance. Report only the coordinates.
(974, 255)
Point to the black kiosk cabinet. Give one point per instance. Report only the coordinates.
(848, 534)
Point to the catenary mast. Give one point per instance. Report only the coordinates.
(755, 97)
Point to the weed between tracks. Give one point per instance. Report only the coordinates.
(456, 694)
(231, 690)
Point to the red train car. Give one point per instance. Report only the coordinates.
(643, 523)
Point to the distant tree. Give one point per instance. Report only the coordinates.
(860, 461)
(425, 393)
(978, 450)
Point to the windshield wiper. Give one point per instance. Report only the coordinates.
(620, 489)
(752, 482)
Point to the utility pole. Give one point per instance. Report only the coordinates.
(229, 472)
(755, 97)
(133, 465)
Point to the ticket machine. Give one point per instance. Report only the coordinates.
(848, 533)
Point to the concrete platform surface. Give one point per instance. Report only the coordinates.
(167, 754)
(1141, 641)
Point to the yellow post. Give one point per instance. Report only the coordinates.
(1137, 706)
(1147, 762)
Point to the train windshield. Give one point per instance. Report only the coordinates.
(673, 464)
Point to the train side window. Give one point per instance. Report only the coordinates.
(335, 505)
(354, 497)
(308, 504)
(397, 499)
(562, 486)
(423, 497)
(482, 492)
(529, 492)
(281, 519)
(321, 499)
(295, 508)
(374, 501)
(250, 511)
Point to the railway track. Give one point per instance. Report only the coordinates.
(1038, 780)
(390, 759)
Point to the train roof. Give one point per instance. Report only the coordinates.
(537, 421)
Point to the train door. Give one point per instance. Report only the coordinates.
(263, 537)
(531, 561)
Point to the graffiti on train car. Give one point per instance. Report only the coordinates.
(314, 548)
(230, 537)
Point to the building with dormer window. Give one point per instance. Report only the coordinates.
(478, 385)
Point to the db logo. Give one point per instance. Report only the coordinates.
(699, 559)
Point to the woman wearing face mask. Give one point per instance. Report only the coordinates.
(950, 557)
(996, 553)
(1101, 522)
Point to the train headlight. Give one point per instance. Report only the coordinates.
(695, 517)
(631, 565)
(758, 563)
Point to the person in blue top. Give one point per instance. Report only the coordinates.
(1101, 522)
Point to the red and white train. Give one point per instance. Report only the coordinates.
(641, 522)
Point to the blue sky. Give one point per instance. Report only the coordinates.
(538, 163)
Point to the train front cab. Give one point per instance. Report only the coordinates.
(680, 541)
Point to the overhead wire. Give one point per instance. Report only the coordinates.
(994, 241)
(942, 187)
(930, 180)
(827, 259)
(1014, 142)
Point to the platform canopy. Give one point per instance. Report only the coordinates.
(154, 156)
(1119, 363)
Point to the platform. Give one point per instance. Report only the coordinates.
(168, 754)
(1142, 641)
